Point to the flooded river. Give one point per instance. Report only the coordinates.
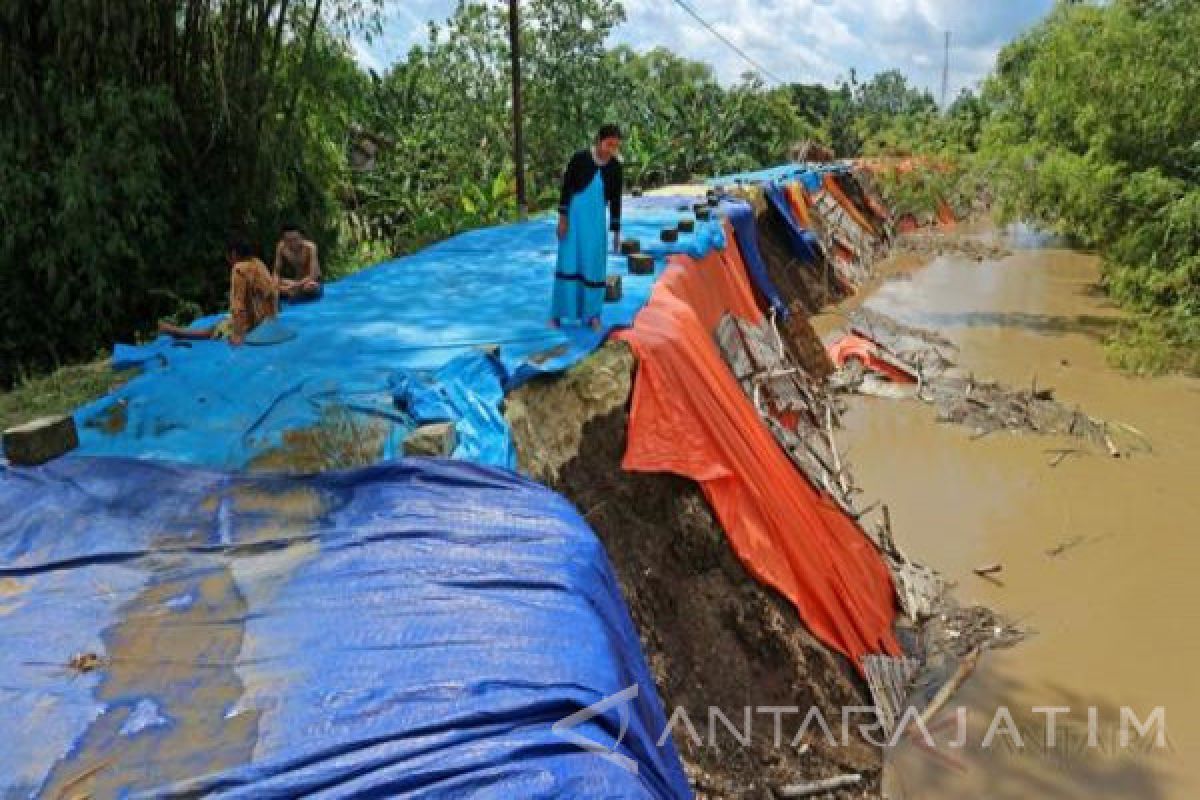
(1101, 556)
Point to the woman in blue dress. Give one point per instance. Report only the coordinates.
(592, 181)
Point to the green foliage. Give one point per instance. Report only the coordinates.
(137, 135)
(1156, 344)
(445, 110)
(1094, 135)
(141, 134)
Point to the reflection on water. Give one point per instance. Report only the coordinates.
(1099, 555)
(1098, 327)
(1021, 236)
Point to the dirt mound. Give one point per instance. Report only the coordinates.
(713, 635)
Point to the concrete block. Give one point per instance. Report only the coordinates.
(641, 264)
(434, 439)
(39, 441)
(687, 225)
(669, 235)
(630, 246)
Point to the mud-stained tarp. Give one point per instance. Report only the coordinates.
(689, 416)
(804, 243)
(414, 629)
(809, 175)
(213, 405)
(831, 185)
(741, 218)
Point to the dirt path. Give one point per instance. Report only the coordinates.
(1099, 555)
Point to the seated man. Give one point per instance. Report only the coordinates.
(253, 299)
(297, 267)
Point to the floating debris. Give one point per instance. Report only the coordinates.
(889, 680)
(983, 406)
(941, 244)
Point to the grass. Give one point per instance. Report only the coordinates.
(59, 392)
(347, 261)
(1157, 345)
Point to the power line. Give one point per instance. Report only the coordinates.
(757, 66)
(946, 71)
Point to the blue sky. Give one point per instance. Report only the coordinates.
(802, 40)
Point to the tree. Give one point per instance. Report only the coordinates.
(1096, 139)
(138, 135)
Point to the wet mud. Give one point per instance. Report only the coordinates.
(170, 685)
(713, 636)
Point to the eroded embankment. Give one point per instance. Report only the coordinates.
(714, 637)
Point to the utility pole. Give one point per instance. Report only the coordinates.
(946, 72)
(514, 42)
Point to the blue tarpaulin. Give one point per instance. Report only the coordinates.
(807, 174)
(741, 217)
(414, 629)
(411, 629)
(210, 404)
(804, 243)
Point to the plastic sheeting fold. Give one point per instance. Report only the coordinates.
(411, 630)
(804, 242)
(745, 230)
(690, 417)
(835, 190)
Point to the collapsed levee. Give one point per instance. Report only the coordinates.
(713, 635)
(719, 641)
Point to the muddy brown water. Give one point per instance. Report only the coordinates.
(1100, 556)
(180, 658)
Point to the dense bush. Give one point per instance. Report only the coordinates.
(1094, 134)
(446, 111)
(136, 136)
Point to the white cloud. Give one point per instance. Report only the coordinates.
(796, 40)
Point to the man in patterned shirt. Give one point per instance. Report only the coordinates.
(253, 299)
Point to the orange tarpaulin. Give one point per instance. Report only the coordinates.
(907, 223)
(877, 207)
(835, 190)
(714, 285)
(844, 251)
(690, 417)
(945, 214)
(795, 196)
